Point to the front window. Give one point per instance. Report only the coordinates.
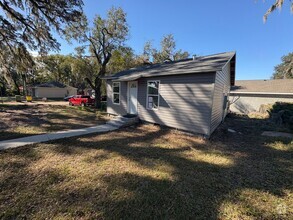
(116, 92)
(153, 94)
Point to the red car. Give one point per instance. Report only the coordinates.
(82, 100)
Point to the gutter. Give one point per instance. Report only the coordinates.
(261, 93)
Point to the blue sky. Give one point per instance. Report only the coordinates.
(207, 27)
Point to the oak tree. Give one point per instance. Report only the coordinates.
(102, 38)
(167, 52)
(28, 25)
(285, 69)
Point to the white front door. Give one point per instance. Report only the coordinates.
(132, 97)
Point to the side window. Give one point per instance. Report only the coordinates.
(116, 92)
(153, 94)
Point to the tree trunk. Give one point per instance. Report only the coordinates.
(98, 83)
(97, 87)
(24, 84)
(97, 100)
(2, 89)
(17, 90)
(8, 78)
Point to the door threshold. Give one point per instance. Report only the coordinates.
(130, 115)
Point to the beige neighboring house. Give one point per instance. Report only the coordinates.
(53, 90)
(248, 95)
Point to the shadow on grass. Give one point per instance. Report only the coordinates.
(13, 107)
(159, 174)
(39, 119)
(7, 135)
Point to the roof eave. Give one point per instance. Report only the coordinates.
(159, 74)
(261, 93)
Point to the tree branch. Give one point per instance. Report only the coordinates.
(18, 17)
(89, 82)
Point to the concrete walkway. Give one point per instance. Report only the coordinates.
(112, 125)
(277, 134)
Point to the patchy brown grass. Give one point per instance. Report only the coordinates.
(148, 172)
(25, 120)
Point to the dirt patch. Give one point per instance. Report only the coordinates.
(24, 120)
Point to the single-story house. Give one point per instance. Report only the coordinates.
(52, 90)
(190, 94)
(248, 95)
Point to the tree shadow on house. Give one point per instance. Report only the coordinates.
(154, 172)
(182, 105)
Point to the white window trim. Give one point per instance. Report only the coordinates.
(147, 95)
(116, 93)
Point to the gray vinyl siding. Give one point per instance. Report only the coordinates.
(184, 102)
(221, 88)
(116, 109)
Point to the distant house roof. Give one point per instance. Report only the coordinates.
(51, 84)
(211, 63)
(273, 86)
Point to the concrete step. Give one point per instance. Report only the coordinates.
(123, 121)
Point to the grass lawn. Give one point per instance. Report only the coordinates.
(148, 172)
(25, 120)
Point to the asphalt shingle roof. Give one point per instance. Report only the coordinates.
(263, 86)
(201, 64)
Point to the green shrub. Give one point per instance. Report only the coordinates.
(18, 98)
(282, 112)
(103, 106)
(278, 106)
